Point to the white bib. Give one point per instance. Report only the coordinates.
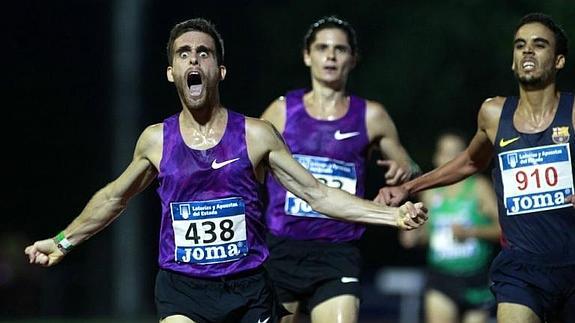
(208, 232)
(536, 179)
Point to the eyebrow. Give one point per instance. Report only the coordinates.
(537, 40)
(182, 49)
(187, 48)
(335, 45)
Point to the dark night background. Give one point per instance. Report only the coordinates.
(431, 63)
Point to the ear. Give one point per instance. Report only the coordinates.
(169, 74)
(560, 62)
(222, 72)
(513, 65)
(306, 58)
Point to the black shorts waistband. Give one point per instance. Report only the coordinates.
(297, 244)
(225, 278)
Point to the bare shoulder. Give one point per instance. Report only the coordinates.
(489, 114)
(375, 110)
(277, 105)
(151, 140)
(259, 130)
(378, 121)
(276, 113)
(492, 107)
(261, 139)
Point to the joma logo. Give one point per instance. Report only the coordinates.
(537, 201)
(210, 254)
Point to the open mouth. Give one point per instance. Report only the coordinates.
(528, 65)
(195, 83)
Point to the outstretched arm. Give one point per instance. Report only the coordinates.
(330, 201)
(105, 205)
(475, 158)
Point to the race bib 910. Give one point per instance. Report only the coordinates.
(208, 232)
(536, 179)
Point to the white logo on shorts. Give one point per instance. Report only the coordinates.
(346, 280)
(264, 321)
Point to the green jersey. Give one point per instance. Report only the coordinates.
(446, 253)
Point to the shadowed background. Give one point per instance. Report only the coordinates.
(82, 80)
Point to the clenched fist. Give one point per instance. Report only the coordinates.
(411, 216)
(44, 253)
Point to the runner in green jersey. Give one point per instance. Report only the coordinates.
(460, 236)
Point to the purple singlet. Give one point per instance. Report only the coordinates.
(212, 223)
(334, 151)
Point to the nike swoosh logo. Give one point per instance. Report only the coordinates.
(264, 321)
(338, 135)
(503, 142)
(216, 165)
(346, 280)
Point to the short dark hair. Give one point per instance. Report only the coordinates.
(196, 24)
(331, 22)
(561, 42)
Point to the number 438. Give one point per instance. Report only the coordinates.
(210, 231)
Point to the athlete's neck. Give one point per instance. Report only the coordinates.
(326, 103)
(205, 118)
(203, 129)
(538, 101)
(536, 108)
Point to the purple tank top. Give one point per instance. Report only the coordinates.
(334, 151)
(212, 224)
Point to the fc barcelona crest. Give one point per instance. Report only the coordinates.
(560, 135)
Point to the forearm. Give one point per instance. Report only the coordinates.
(454, 171)
(100, 211)
(340, 204)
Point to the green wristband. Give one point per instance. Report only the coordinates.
(62, 243)
(60, 237)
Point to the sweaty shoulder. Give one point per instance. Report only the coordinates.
(261, 136)
(259, 128)
(150, 143)
(276, 113)
(489, 115)
(378, 122)
(375, 109)
(491, 107)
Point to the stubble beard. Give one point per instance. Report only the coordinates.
(534, 82)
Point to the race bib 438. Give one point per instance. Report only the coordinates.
(207, 232)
